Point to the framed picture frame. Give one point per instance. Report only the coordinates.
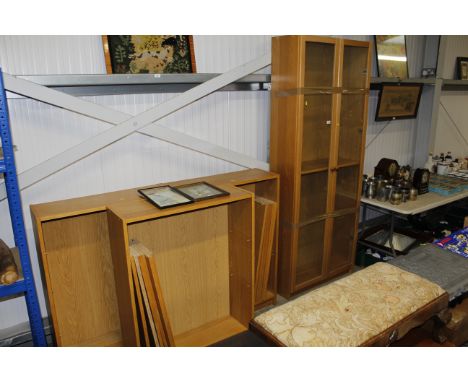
(462, 68)
(392, 61)
(398, 101)
(201, 191)
(164, 196)
(149, 54)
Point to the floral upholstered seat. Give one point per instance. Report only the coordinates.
(351, 310)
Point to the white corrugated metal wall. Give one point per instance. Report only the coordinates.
(236, 120)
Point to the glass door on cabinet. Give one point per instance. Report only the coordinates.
(342, 242)
(352, 122)
(319, 64)
(346, 193)
(355, 75)
(314, 193)
(316, 132)
(309, 259)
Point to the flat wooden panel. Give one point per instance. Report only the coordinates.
(342, 243)
(81, 280)
(241, 260)
(347, 187)
(310, 252)
(192, 254)
(319, 64)
(265, 229)
(211, 333)
(314, 191)
(316, 128)
(123, 280)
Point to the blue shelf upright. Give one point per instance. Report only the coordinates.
(26, 285)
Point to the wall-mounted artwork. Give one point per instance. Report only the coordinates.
(391, 56)
(462, 68)
(398, 101)
(132, 54)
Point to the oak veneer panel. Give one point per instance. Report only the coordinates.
(192, 254)
(211, 333)
(241, 260)
(81, 280)
(123, 280)
(265, 229)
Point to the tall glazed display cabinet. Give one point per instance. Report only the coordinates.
(320, 89)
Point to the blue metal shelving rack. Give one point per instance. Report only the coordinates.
(8, 168)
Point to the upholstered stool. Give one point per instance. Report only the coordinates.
(374, 306)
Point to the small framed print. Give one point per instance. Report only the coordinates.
(462, 68)
(164, 196)
(201, 191)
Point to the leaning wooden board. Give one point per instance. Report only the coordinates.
(72, 240)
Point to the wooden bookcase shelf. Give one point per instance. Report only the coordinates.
(205, 262)
(76, 243)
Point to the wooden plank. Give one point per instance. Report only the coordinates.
(140, 305)
(265, 227)
(141, 283)
(123, 280)
(163, 327)
(160, 300)
(241, 260)
(211, 333)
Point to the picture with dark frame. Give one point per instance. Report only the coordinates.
(398, 101)
(201, 191)
(392, 61)
(462, 68)
(133, 54)
(164, 196)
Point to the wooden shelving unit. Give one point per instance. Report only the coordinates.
(320, 90)
(80, 253)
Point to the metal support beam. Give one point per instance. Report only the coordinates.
(124, 125)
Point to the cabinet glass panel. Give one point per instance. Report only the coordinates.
(347, 180)
(354, 67)
(351, 128)
(316, 132)
(342, 241)
(310, 252)
(313, 195)
(319, 60)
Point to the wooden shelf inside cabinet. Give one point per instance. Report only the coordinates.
(312, 166)
(205, 262)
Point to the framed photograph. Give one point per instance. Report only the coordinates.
(164, 196)
(462, 68)
(201, 191)
(398, 101)
(391, 56)
(129, 54)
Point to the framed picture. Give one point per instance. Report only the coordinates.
(201, 191)
(462, 68)
(398, 101)
(164, 196)
(391, 56)
(129, 54)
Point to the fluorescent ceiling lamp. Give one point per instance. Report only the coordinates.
(392, 58)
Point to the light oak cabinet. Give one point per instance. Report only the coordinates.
(320, 90)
